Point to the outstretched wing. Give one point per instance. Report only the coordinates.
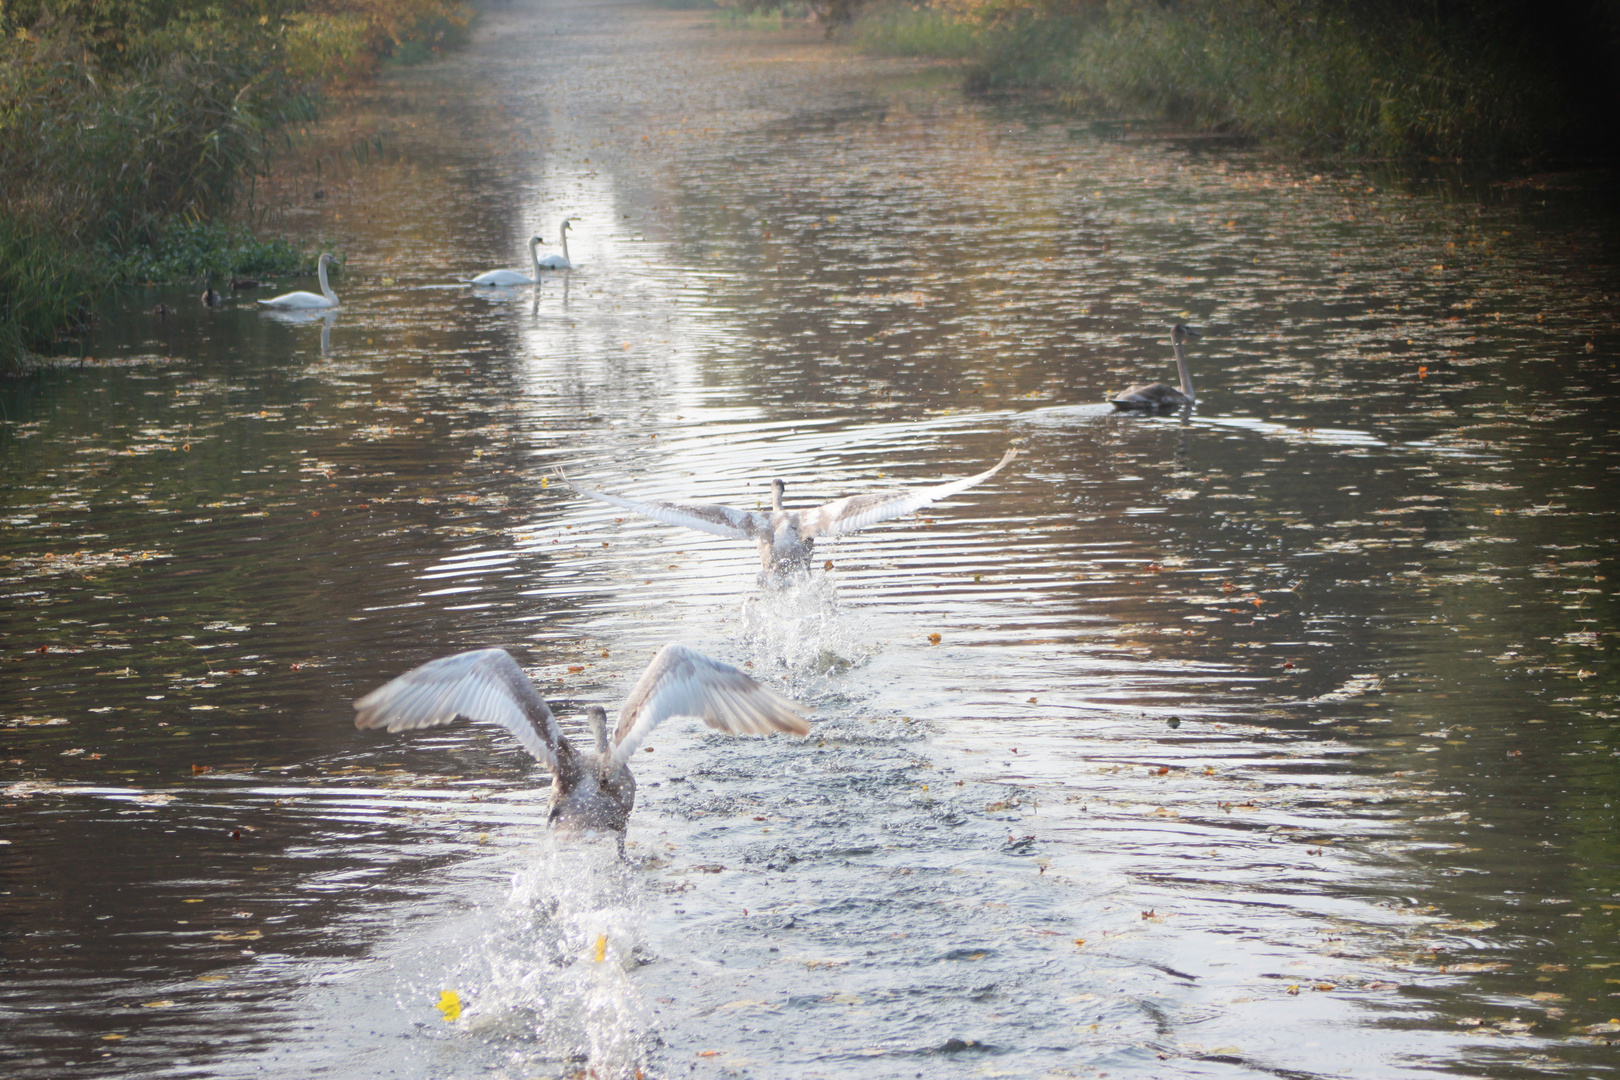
(859, 511)
(720, 520)
(485, 685)
(684, 682)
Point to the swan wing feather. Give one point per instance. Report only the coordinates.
(859, 511)
(501, 277)
(684, 682)
(298, 300)
(724, 521)
(485, 685)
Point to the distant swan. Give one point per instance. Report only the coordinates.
(1158, 395)
(785, 537)
(591, 790)
(498, 278)
(558, 262)
(305, 300)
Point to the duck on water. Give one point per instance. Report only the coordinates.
(591, 790)
(786, 537)
(1158, 396)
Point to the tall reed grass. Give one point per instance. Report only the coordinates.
(130, 130)
(1374, 79)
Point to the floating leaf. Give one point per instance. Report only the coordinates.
(449, 1005)
(933, 639)
(601, 947)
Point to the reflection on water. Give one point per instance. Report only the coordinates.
(1276, 738)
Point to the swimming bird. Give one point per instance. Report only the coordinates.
(306, 300)
(498, 278)
(785, 537)
(210, 295)
(558, 262)
(591, 789)
(1158, 395)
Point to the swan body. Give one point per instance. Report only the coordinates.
(558, 262)
(500, 278)
(1157, 396)
(786, 537)
(591, 789)
(303, 301)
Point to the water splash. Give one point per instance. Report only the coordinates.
(802, 633)
(551, 978)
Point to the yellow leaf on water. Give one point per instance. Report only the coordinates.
(450, 1005)
(601, 947)
(164, 1004)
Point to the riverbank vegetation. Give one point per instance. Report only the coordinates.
(1484, 79)
(131, 132)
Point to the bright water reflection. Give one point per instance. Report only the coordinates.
(1279, 739)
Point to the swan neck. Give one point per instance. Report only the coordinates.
(534, 258)
(565, 245)
(326, 289)
(1186, 372)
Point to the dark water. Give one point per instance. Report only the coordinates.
(1279, 740)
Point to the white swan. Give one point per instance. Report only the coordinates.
(558, 262)
(307, 300)
(498, 278)
(1158, 395)
(590, 790)
(785, 537)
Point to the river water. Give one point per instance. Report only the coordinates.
(1277, 740)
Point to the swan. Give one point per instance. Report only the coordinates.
(1158, 395)
(305, 300)
(785, 537)
(558, 262)
(591, 789)
(497, 278)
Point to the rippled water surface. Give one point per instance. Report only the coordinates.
(1274, 740)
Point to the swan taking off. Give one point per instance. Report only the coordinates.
(591, 790)
(306, 300)
(558, 262)
(785, 537)
(1158, 395)
(497, 278)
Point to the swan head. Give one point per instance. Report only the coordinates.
(596, 716)
(1183, 332)
(535, 241)
(777, 488)
(566, 225)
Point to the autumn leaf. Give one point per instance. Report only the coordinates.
(449, 1005)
